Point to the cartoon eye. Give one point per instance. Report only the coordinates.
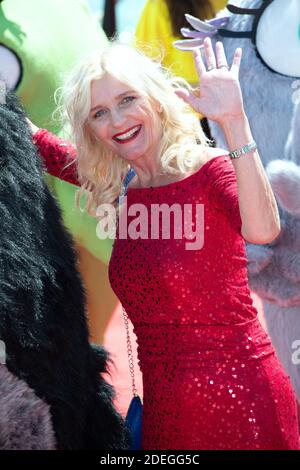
(275, 33)
(277, 37)
(10, 67)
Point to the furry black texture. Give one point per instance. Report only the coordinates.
(42, 303)
(25, 420)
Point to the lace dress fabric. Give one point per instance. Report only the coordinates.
(211, 378)
(59, 156)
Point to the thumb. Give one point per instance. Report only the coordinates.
(186, 96)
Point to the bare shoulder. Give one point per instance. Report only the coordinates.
(208, 153)
(212, 152)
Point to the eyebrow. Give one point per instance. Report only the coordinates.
(117, 97)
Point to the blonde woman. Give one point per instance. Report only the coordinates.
(211, 378)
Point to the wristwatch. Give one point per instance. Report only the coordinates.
(246, 149)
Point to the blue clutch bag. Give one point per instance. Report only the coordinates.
(133, 421)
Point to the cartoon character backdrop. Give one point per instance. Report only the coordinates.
(43, 314)
(39, 43)
(268, 32)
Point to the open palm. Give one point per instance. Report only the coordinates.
(219, 94)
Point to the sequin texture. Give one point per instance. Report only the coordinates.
(59, 156)
(211, 378)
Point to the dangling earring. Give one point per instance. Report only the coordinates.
(160, 109)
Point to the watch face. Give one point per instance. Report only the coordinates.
(275, 34)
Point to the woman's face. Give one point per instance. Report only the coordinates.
(124, 121)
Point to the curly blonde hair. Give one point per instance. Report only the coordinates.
(100, 172)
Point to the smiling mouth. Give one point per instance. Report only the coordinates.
(127, 136)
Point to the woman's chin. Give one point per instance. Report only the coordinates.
(132, 156)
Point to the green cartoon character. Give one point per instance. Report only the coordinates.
(39, 43)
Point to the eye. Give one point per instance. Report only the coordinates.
(10, 67)
(100, 113)
(277, 37)
(275, 32)
(127, 99)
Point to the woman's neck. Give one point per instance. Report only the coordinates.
(148, 173)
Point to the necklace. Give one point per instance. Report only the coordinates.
(130, 174)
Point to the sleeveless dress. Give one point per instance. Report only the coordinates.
(211, 378)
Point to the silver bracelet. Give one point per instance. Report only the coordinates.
(246, 149)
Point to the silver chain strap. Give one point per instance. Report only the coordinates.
(129, 352)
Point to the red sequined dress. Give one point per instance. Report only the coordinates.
(211, 378)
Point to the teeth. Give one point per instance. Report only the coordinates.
(128, 134)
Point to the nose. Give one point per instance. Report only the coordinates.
(116, 118)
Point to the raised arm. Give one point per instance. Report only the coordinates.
(59, 156)
(220, 99)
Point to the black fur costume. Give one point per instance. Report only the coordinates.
(42, 304)
(25, 420)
